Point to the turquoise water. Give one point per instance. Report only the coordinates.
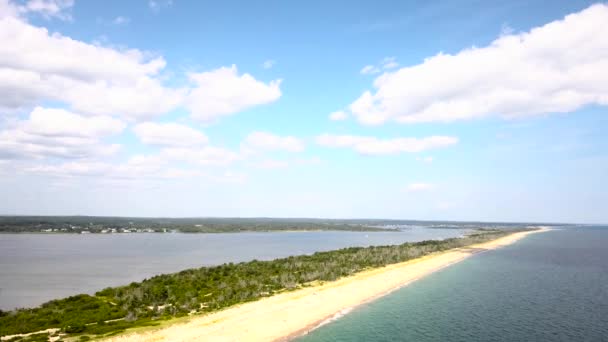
(548, 287)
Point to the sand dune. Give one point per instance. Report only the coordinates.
(284, 316)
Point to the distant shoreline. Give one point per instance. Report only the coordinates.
(286, 316)
(375, 230)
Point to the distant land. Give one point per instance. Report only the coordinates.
(126, 225)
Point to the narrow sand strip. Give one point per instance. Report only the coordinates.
(290, 314)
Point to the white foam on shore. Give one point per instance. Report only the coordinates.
(333, 318)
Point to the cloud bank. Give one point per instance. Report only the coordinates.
(556, 68)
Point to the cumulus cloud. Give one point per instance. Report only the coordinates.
(60, 122)
(8, 9)
(170, 163)
(338, 116)
(138, 169)
(558, 67)
(223, 92)
(60, 134)
(169, 134)
(268, 141)
(375, 146)
(417, 187)
(92, 79)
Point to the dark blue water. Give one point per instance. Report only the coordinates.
(548, 287)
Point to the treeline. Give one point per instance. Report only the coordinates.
(97, 224)
(209, 289)
(92, 224)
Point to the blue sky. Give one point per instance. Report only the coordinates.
(463, 110)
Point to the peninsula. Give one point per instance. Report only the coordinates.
(236, 302)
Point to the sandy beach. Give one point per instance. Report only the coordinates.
(285, 316)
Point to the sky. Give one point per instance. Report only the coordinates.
(460, 110)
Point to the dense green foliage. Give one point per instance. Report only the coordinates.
(41, 337)
(70, 313)
(211, 288)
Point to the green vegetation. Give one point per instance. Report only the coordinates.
(209, 289)
(92, 224)
(41, 337)
(97, 224)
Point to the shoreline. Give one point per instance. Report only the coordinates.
(475, 250)
(286, 316)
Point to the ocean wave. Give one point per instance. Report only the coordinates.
(333, 318)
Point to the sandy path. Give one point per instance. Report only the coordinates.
(290, 314)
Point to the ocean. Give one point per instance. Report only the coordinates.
(35, 268)
(548, 287)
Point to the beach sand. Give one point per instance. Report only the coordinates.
(287, 315)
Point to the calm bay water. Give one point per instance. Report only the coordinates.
(35, 268)
(547, 287)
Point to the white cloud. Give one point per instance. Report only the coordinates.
(60, 134)
(8, 9)
(418, 187)
(101, 80)
(338, 116)
(375, 146)
(58, 9)
(385, 64)
(389, 63)
(143, 99)
(269, 141)
(60, 122)
(92, 79)
(223, 92)
(139, 168)
(268, 64)
(369, 70)
(169, 134)
(48, 8)
(70, 169)
(120, 20)
(558, 67)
